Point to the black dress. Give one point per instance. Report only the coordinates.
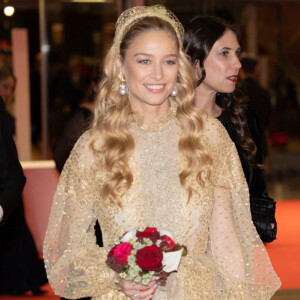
(12, 179)
(21, 269)
(255, 177)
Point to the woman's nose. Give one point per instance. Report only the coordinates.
(236, 63)
(157, 72)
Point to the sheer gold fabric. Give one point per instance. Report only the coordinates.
(226, 259)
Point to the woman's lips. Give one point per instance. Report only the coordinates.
(155, 88)
(233, 78)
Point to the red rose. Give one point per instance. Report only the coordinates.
(111, 252)
(150, 229)
(150, 233)
(121, 253)
(170, 243)
(150, 258)
(111, 261)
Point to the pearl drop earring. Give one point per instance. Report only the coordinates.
(123, 89)
(174, 92)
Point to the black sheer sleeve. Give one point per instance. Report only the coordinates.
(257, 180)
(255, 177)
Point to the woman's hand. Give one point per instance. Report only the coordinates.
(138, 291)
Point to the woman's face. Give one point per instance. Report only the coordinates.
(222, 64)
(7, 87)
(151, 68)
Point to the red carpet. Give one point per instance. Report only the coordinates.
(49, 295)
(285, 251)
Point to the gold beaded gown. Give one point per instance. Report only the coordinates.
(226, 259)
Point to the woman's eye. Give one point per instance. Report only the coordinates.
(144, 61)
(170, 62)
(238, 53)
(224, 53)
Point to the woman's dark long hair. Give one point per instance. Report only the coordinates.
(201, 33)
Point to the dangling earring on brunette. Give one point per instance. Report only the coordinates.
(123, 89)
(174, 92)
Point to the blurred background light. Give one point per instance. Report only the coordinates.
(9, 11)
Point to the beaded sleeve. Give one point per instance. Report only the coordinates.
(75, 264)
(244, 270)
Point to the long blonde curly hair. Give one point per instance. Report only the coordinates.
(112, 120)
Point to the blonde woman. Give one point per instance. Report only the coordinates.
(151, 160)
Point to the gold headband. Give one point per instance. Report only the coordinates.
(132, 15)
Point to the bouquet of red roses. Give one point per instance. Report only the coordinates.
(140, 255)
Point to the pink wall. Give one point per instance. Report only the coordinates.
(22, 95)
(42, 178)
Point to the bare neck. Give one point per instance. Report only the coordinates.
(205, 100)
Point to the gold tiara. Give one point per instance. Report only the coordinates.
(132, 15)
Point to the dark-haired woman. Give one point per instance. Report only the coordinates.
(213, 48)
(21, 270)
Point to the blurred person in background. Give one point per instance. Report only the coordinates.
(213, 48)
(67, 87)
(12, 182)
(76, 124)
(21, 269)
(258, 96)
